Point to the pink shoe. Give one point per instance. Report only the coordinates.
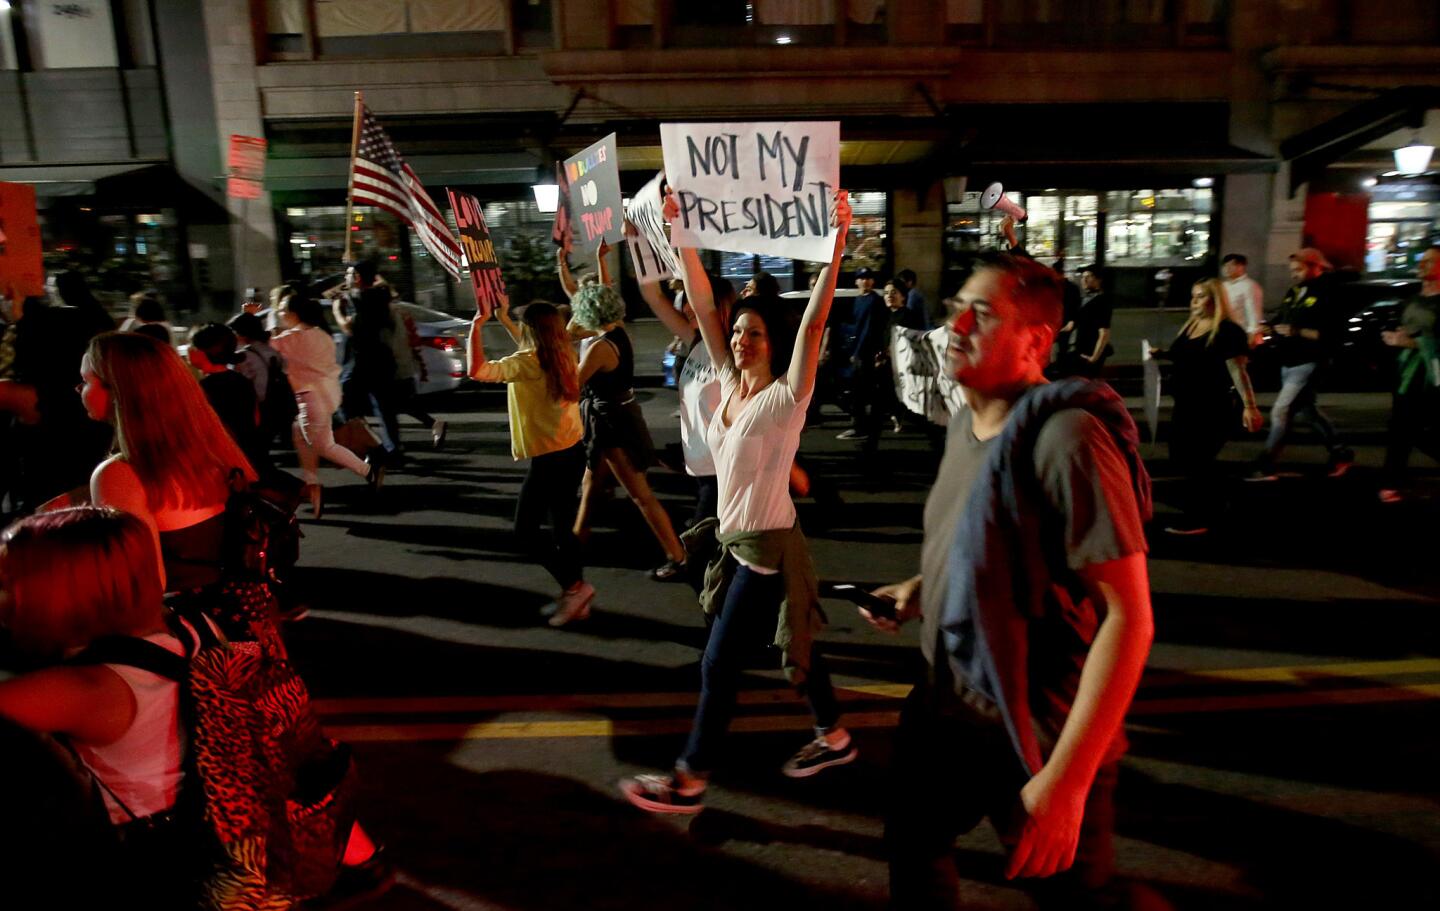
(574, 604)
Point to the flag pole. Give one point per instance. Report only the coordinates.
(350, 191)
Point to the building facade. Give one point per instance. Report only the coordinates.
(1145, 135)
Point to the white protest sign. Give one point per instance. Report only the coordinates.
(754, 187)
(922, 385)
(648, 265)
(1151, 380)
(647, 214)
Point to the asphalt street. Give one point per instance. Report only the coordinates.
(1284, 743)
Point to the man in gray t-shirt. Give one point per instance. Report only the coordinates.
(955, 762)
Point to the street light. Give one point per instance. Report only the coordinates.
(547, 196)
(1414, 158)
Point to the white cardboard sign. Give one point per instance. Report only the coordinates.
(647, 214)
(754, 187)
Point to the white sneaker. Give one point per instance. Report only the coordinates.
(437, 434)
(574, 604)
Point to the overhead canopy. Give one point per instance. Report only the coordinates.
(1312, 150)
(67, 179)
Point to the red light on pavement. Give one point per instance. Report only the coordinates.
(393, 257)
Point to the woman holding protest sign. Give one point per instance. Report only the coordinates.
(542, 383)
(761, 563)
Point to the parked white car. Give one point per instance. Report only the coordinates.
(442, 346)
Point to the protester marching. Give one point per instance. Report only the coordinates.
(154, 475)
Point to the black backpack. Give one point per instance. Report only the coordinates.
(278, 409)
(262, 535)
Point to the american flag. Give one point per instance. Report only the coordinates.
(380, 177)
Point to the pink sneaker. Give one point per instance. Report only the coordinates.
(574, 604)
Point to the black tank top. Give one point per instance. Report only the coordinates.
(193, 554)
(615, 386)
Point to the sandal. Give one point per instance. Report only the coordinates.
(671, 571)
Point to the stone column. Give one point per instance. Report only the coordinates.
(230, 38)
(916, 231)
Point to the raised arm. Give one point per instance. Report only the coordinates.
(665, 312)
(502, 312)
(602, 262)
(562, 266)
(343, 319)
(700, 295)
(475, 362)
(812, 325)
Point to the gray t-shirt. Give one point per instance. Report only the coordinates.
(1093, 518)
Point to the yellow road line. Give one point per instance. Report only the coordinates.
(595, 727)
(585, 702)
(1299, 699)
(1305, 672)
(604, 727)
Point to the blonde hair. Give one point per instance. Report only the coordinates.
(75, 575)
(1219, 308)
(165, 428)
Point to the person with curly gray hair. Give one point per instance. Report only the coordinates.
(616, 439)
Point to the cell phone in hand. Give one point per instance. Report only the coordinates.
(881, 608)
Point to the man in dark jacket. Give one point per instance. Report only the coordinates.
(871, 323)
(1303, 334)
(1034, 604)
(368, 377)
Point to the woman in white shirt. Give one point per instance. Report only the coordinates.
(767, 375)
(309, 353)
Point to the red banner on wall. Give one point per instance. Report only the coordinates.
(22, 273)
(246, 167)
(1335, 224)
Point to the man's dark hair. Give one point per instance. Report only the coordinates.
(1096, 270)
(216, 342)
(1037, 291)
(154, 330)
(249, 327)
(907, 276)
(366, 270)
(148, 309)
(766, 285)
(307, 310)
(722, 291)
(1238, 258)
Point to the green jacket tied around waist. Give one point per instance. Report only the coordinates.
(799, 618)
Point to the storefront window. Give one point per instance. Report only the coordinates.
(1128, 229)
(869, 232)
(119, 252)
(1399, 232)
(1158, 227)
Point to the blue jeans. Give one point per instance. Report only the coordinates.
(1297, 400)
(746, 620)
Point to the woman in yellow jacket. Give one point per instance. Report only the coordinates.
(543, 394)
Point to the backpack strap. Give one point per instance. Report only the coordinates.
(140, 653)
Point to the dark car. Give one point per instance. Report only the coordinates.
(1366, 308)
(1361, 361)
